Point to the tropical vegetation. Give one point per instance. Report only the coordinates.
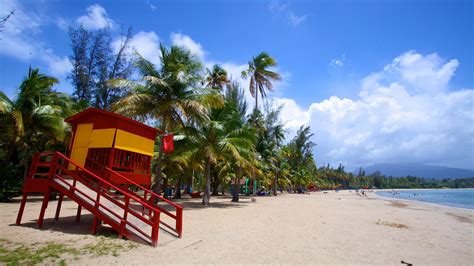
(219, 141)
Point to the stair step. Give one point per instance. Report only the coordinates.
(110, 205)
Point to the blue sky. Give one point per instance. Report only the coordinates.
(338, 59)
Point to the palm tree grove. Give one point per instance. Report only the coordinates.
(221, 140)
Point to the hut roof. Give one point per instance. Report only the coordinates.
(104, 119)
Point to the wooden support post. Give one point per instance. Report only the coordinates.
(44, 206)
(122, 228)
(58, 208)
(22, 208)
(123, 221)
(95, 223)
(155, 228)
(78, 215)
(179, 222)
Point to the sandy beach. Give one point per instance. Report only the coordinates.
(316, 228)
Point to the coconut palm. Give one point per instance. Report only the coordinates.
(261, 77)
(35, 119)
(217, 78)
(221, 138)
(170, 94)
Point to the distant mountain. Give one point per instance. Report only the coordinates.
(419, 170)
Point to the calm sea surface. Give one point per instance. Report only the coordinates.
(463, 198)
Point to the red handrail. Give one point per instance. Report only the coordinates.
(104, 181)
(154, 223)
(98, 204)
(143, 188)
(179, 209)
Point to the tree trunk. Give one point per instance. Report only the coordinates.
(192, 183)
(235, 197)
(157, 184)
(275, 182)
(256, 96)
(26, 160)
(177, 193)
(165, 186)
(207, 190)
(215, 184)
(254, 187)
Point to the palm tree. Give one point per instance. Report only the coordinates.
(217, 78)
(169, 95)
(260, 76)
(221, 138)
(35, 119)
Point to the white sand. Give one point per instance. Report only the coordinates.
(332, 228)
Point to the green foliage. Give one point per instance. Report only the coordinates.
(260, 76)
(171, 94)
(217, 78)
(10, 181)
(33, 121)
(329, 178)
(94, 63)
(215, 140)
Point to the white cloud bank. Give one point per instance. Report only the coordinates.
(146, 43)
(96, 18)
(404, 113)
(185, 41)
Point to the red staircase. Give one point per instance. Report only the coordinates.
(135, 215)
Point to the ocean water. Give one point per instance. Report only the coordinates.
(462, 198)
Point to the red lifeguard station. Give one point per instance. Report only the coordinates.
(103, 139)
(108, 152)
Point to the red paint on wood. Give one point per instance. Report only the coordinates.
(104, 119)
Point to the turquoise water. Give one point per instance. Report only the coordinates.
(463, 198)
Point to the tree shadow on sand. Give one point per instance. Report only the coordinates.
(196, 204)
(68, 225)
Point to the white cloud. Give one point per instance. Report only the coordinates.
(96, 18)
(277, 7)
(62, 23)
(58, 66)
(185, 41)
(284, 10)
(150, 5)
(147, 44)
(292, 114)
(337, 63)
(423, 73)
(296, 20)
(234, 71)
(404, 113)
(21, 39)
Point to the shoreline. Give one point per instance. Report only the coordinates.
(374, 194)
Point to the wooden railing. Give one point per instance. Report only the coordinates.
(152, 198)
(63, 177)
